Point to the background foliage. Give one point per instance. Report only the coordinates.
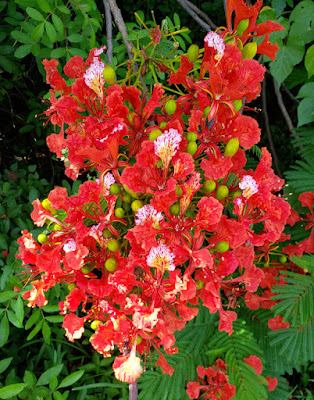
(46, 365)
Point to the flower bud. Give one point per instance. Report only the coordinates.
(243, 25)
(106, 233)
(130, 116)
(249, 50)
(175, 209)
(119, 212)
(191, 136)
(95, 324)
(237, 193)
(232, 147)
(71, 286)
(109, 75)
(133, 194)
(237, 104)
(111, 264)
(163, 125)
(191, 148)
(209, 186)
(127, 198)
(170, 107)
(47, 206)
(206, 111)
(115, 188)
(153, 135)
(179, 191)
(283, 259)
(42, 238)
(222, 192)
(222, 247)
(199, 284)
(57, 227)
(193, 52)
(113, 245)
(136, 204)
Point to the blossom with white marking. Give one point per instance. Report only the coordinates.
(248, 185)
(213, 40)
(94, 77)
(148, 212)
(161, 258)
(166, 146)
(69, 246)
(107, 181)
(145, 321)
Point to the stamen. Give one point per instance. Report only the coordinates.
(160, 257)
(249, 186)
(148, 212)
(212, 39)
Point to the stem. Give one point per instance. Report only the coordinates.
(193, 14)
(108, 30)
(133, 392)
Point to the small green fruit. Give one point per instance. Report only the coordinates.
(119, 212)
(237, 104)
(283, 259)
(109, 75)
(222, 192)
(191, 136)
(113, 245)
(111, 264)
(163, 125)
(243, 25)
(57, 227)
(127, 198)
(94, 324)
(175, 209)
(115, 189)
(206, 111)
(199, 284)
(209, 186)
(153, 135)
(193, 52)
(249, 50)
(71, 286)
(222, 247)
(191, 148)
(42, 238)
(237, 193)
(106, 234)
(170, 107)
(179, 191)
(232, 147)
(136, 204)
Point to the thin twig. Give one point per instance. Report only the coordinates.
(268, 131)
(121, 26)
(283, 107)
(292, 97)
(194, 15)
(201, 14)
(133, 392)
(108, 30)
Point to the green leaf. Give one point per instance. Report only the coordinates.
(7, 392)
(5, 296)
(35, 330)
(5, 363)
(77, 52)
(35, 14)
(3, 245)
(21, 37)
(287, 57)
(306, 90)
(33, 195)
(176, 20)
(58, 53)
(64, 9)
(33, 319)
(75, 38)
(38, 32)
(55, 319)
(4, 331)
(309, 61)
(302, 20)
(22, 51)
(58, 396)
(44, 5)
(44, 379)
(58, 24)
(305, 111)
(19, 309)
(69, 380)
(46, 332)
(13, 319)
(51, 32)
(6, 64)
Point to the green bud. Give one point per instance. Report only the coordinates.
(191, 136)
(42, 238)
(111, 264)
(222, 247)
(109, 75)
(193, 52)
(119, 212)
(136, 204)
(243, 25)
(209, 186)
(106, 233)
(206, 111)
(175, 209)
(283, 259)
(153, 135)
(249, 50)
(71, 286)
(191, 148)
(179, 191)
(113, 245)
(115, 189)
(94, 324)
(232, 147)
(199, 284)
(170, 107)
(237, 104)
(163, 125)
(222, 192)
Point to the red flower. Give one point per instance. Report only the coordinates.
(256, 363)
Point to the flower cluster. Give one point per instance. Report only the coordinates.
(171, 217)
